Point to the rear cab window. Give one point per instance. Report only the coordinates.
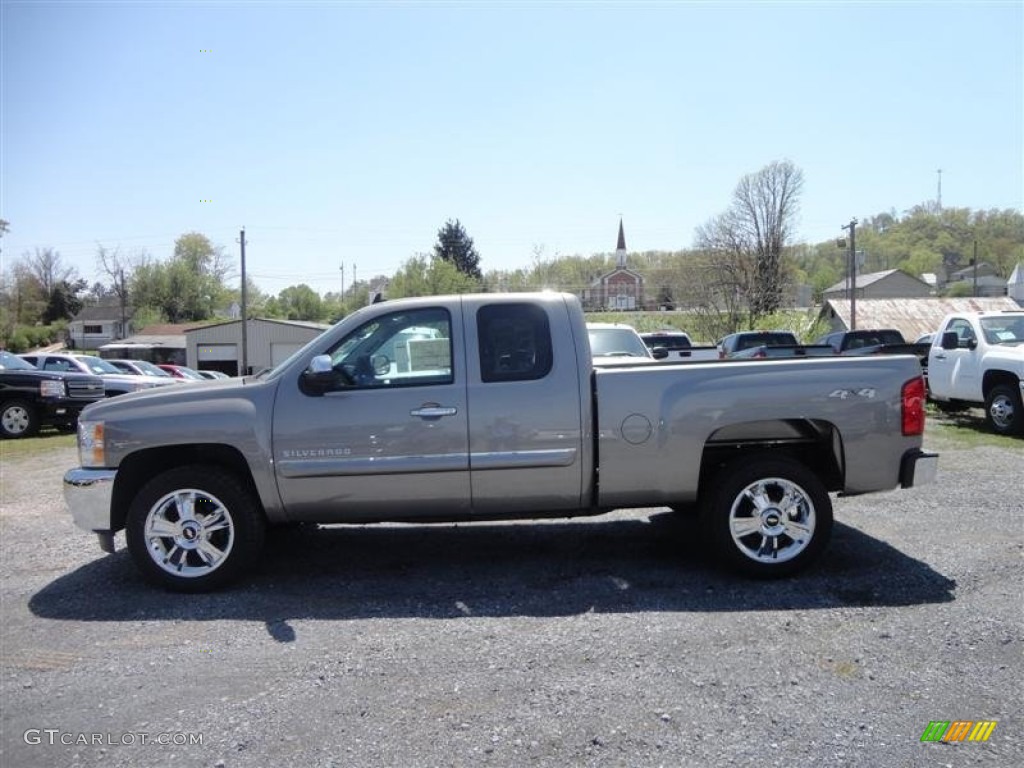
(515, 342)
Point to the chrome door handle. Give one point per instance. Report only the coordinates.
(433, 411)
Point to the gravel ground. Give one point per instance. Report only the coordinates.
(603, 642)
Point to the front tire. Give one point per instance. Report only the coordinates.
(1003, 410)
(768, 516)
(18, 419)
(194, 528)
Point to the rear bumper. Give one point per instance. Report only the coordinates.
(918, 468)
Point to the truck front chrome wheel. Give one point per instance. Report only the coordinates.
(767, 516)
(189, 533)
(194, 528)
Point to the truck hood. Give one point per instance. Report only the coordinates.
(1011, 355)
(163, 397)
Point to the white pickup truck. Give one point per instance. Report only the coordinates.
(488, 407)
(977, 359)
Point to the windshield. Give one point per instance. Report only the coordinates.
(190, 373)
(1003, 329)
(616, 342)
(781, 339)
(96, 365)
(151, 370)
(668, 341)
(9, 362)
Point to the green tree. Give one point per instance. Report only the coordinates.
(456, 247)
(63, 303)
(422, 275)
(300, 302)
(187, 287)
(200, 270)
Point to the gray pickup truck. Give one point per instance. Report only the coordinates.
(487, 407)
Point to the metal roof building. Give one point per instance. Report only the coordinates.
(912, 317)
(268, 342)
(889, 284)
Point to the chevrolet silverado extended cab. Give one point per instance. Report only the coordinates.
(977, 358)
(487, 407)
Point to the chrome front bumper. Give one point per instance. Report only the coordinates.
(88, 493)
(918, 468)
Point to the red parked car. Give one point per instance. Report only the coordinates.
(181, 372)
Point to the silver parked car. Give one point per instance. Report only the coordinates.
(140, 368)
(115, 382)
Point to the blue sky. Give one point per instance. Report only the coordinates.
(350, 132)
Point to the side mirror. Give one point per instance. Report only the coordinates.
(950, 340)
(319, 376)
(659, 353)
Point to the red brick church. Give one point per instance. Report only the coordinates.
(622, 288)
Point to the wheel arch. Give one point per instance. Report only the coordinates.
(140, 467)
(993, 378)
(816, 444)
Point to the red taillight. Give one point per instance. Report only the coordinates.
(913, 396)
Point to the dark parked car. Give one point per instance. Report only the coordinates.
(679, 345)
(848, 341)
(729, 345)
(30, 398)
(208, 374)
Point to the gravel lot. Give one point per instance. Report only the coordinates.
(603, 642)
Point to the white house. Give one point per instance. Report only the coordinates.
(99, 324)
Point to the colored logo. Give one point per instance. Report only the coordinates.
(958, 730)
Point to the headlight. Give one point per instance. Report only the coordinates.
(51, 388)
(91, 451)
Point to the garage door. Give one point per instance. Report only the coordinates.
(210, 352)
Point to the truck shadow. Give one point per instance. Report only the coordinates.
(522, 569)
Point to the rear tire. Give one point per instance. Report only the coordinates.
(194, 528)
(768, 516)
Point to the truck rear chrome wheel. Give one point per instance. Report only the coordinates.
(1003, 410)
(772, 520)
(194, 528)
(768, 516)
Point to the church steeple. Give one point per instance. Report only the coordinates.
(620, 249)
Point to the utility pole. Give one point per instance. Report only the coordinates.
(974, 261)
(245, 310)
(124, 300)
(342, 298)
(940, 188)
(852, 226)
